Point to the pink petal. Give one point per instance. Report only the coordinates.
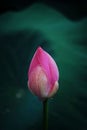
(48, 69)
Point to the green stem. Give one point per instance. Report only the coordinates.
(45, 115)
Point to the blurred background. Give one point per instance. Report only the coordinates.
(59, 27)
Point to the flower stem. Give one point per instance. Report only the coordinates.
(45, 114)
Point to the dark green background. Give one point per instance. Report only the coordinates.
(62, 32)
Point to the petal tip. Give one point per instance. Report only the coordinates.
(39, 49)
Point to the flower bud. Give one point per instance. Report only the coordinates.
(43, 75)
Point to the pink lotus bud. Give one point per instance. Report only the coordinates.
(43, 75)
